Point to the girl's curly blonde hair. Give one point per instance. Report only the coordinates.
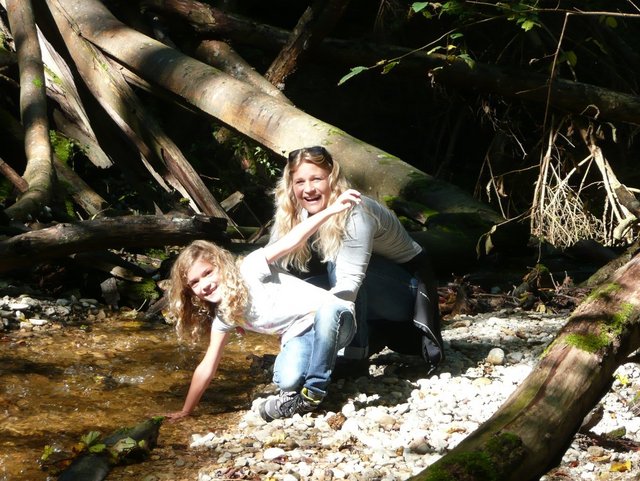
(328, 240)
(193, 316)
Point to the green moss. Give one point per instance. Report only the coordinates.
(143, 291)
(457, 467)
(62, 146)
(603, 292)
(158, 254)
(588, 342)
(621, 317)
(6, 188)
(502, 453)
(69, 208)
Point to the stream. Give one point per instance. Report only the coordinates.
(59, 382)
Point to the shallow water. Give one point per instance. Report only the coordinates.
(61, 382)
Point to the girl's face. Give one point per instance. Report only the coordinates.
(203, 278)
(311, 187)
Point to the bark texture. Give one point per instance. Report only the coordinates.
(39, 173)
(110, 233)
(535, 426)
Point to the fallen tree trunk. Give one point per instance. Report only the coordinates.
(124, 107)
(282, 128)
(566, 95)
(531, 431)
(39, 173)
(109, 233)
(221, 56)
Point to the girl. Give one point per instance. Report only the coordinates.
(207, 283)
(370, 257)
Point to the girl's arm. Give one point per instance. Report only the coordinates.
(203, 374)
(305, 229)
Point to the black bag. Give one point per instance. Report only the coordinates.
(427, 319)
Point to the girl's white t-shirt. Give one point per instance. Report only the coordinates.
(279, 303)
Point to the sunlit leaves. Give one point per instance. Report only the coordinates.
(354, 71)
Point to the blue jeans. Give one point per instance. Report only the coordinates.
(388, 293)
(308, 360)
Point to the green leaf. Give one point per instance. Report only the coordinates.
(468, 60)
(97, 448)
(387, 68)
(419, 6)
(528, 25)
(90, 438)
(611, 22)
(571, 57)
(354, 71)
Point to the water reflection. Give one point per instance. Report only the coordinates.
(59, 383)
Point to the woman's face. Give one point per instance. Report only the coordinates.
(203, 278)
(311, 187)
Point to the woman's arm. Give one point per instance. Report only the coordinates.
(351, 263)
(203, 374)
(305, 229)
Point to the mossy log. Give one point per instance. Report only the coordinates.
(532, 430)
(121, 447)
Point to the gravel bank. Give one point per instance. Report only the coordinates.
(393, 423)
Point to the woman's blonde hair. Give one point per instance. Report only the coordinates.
(193, 316)
(328, 240)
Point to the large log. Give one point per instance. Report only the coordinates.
(282, 127)
(530, 432)
(109, 233)
(570, 96)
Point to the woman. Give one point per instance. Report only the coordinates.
(207, 283)
(371, 259)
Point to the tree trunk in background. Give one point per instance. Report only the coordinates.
(528, 435)
(282, 128)
(39, 172)
(108, 233)
(566, 95)
(118, 99)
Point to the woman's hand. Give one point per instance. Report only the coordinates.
(346, 200)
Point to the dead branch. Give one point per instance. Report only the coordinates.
(314, 24)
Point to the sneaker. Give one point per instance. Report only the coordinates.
(286, 404)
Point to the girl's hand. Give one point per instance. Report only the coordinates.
(346, 200)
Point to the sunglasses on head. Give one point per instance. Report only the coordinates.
(314, 151)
